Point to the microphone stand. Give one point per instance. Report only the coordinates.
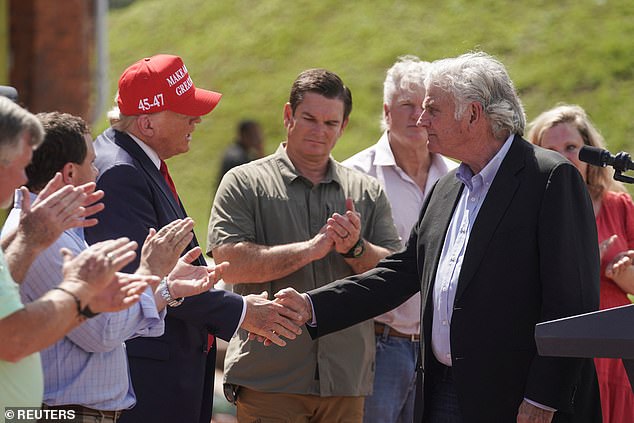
(621, 161)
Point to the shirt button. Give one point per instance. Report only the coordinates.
(448, 355)
(444, 322)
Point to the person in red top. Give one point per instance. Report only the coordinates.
(565, 129)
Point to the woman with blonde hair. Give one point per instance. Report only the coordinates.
(565, 129)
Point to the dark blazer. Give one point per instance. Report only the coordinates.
(173, 375)
(532, 256)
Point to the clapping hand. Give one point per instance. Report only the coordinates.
(123, 291)
(621, 265)
(94, 268)
(344, 230)
(58, 207)
(187, 280)
(161, 250)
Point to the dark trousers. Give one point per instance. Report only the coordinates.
(443, 405)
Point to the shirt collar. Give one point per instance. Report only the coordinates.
(384, 155)
(153, 155)
(290, 172)
(487, 174)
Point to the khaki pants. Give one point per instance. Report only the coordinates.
(264, 407)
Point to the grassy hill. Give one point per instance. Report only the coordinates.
(251, 51)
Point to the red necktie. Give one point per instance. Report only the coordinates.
(170, 183)
(168, 179)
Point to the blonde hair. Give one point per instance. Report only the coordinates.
(598, 179)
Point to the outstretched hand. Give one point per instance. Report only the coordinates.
(528, 413)
(297, 302)
(187, 280)
(270, 320)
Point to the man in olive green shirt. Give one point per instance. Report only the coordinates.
(298, 218)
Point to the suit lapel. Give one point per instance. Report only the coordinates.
(432, 231)
(436, 221)
(124, 141)
(495, 205)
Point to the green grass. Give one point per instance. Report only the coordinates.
(251, 51)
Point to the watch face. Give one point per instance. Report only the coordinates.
(357, 250)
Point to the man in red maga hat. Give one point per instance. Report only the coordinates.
(158, 108)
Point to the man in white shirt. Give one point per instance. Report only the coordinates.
(407, 170)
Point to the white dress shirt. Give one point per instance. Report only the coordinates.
(475, 190)
(406, 199)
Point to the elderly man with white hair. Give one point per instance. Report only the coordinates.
(505, 241)
(403, 165)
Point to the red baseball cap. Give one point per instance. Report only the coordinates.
(160, 83)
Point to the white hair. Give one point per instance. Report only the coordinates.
(407, 74)
(482, 78)
(14, 122)
(118, 120)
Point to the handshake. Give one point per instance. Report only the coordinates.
(269, 321)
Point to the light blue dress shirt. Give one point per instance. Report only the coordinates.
(89, 365)
(475, 191)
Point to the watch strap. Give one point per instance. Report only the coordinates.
(357, 249)
(165, 293)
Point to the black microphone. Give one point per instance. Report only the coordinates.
(599, 157)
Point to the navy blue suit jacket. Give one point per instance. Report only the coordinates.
(173, 374)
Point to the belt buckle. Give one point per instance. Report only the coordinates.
(412, 337)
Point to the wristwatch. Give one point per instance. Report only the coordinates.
(165, 293)
(357, 249)
(87, 312)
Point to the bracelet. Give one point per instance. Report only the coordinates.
(86, 311)
(59, 288)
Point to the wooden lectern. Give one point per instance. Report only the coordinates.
(604, 333)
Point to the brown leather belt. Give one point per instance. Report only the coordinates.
(380, 329)
(80, 409)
